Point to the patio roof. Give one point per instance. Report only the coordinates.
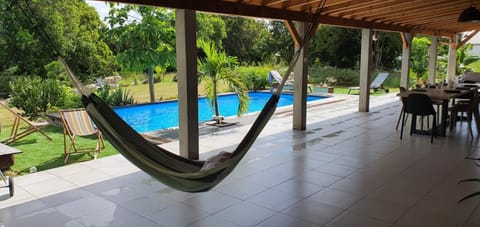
(433, 17)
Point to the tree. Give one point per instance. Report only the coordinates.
(216, 66)
(280, 41)
(386, 50)
(336, 46)
(34, 33)
(246, 39)
(211, 27)
(145, 42)
(463, 60)
(419, 58)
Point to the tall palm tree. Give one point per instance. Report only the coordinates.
(214, 67)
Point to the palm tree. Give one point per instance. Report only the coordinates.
(214, 67)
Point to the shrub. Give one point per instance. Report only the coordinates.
(393, 80)
(255, 77)
(121, 97)
(35, 96)
(5, 78)
(333, 76)
(115, 97)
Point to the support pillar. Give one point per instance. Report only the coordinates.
(365, 70)
(432, 62)
(406, 52)
(452, 58)
(187, 83)
(300, 86)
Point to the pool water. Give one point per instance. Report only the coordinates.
(163, 115)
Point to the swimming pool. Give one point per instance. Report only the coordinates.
(163, 115)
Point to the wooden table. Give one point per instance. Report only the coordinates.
(444, 95)
(6, 156)
(6, 160)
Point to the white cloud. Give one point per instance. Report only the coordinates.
(101, 7)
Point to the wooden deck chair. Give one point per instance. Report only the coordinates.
(77, 122)
(32, 127)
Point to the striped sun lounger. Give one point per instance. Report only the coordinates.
(77, 122)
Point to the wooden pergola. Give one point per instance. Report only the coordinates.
(437, 18)
(431, 17)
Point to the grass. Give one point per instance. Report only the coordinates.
(45, 154)
(163, 91)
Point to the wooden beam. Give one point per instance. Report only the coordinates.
(466, 39)
(225, 7)
(405, 39)
(293, 33)
(336, 7)
(261, 11)
(412, 9)
(302, 5)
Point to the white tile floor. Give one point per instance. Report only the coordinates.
(346, 169)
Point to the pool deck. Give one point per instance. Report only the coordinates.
(245, 120)
(347, 169)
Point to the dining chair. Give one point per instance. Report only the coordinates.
(467, 107)
(419, 105)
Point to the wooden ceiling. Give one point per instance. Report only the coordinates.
(433, 17)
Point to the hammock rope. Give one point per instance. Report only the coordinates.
(171, 169)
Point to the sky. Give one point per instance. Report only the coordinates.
(102, 8)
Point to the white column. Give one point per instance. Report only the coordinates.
(406, 51)
(452, 59)
(432, 62)
(187, 83)
(365, 67)
(300, 85)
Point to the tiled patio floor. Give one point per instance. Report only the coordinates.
(346, 169)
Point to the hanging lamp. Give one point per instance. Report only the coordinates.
(469, 15)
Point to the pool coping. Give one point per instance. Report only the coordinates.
(171, 134)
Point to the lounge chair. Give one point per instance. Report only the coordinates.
(376, 84)
(275, 78)
(99, 83)
(32, 127)
(77, 122)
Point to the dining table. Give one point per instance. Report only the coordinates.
(446, 95)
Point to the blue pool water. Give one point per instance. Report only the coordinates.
(163, 115)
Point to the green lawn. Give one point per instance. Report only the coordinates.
(45, 154)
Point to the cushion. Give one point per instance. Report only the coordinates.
(215, 160)
(471, 76)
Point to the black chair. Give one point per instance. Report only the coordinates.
(419, 105)
(468, 106)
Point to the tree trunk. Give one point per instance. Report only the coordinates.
(151, 84)
(215, 101)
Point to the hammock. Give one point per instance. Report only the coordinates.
(173, 170)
